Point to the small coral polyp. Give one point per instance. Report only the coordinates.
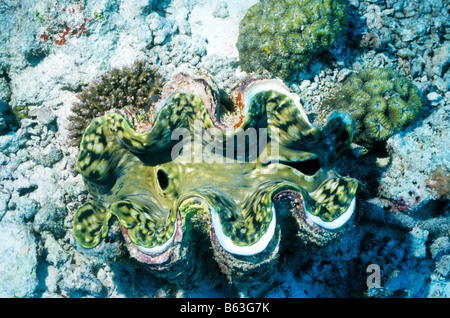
(282, 36)
(160, 200)
(380, 101)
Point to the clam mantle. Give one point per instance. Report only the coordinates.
(151, 189)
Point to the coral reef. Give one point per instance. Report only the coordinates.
(283, 36)
(142, 179)
(404, 227)
(380, 101)
(135, 87)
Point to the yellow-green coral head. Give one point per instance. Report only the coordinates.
(282, 36)
(381, 101)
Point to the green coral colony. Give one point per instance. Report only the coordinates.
(380, 101)
(283, 36)
(135, 177)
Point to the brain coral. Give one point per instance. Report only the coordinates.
(283, 36)
(134, 87)
(380, 101)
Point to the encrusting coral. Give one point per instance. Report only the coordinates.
(380, 101)
(283, 36)
(135, 87)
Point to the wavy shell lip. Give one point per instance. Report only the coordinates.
(157, 250)
(158, 255)
(267, 254)
(249, 90)
(232, 248)
(336, 224)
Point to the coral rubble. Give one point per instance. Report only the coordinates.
(50, 50)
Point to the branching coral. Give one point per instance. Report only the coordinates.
(134, 87)
(283, 36)
(380, 101)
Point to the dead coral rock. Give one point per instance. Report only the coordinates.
(419, 171)
(440, 246)
(416, 240)
(439, 183)
(443, 266)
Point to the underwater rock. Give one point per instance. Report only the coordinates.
(409, 280)
(4, 127)
(184, 53)
(439, 288)
(5, 96)
(79, 280)
(44, 116)
(221, 10)
(136, 8)
(440, 246)
(54, 253)
(441, 59)
(182, 9)
(160, 26)
(434, 98)
(373, 17)
(17, 43)
(50, 218)
(66, 67)
(418, 169)
(52, 279)
(49, 156)
(416, 240)
(443, 266)
(12, 142)
(18, 262)
(5, 196)
(22, 208)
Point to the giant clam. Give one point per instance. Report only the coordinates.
(190, 171)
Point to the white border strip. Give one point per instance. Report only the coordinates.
(333, 225)
(228, 245)
(159, 249)
(267, 85)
